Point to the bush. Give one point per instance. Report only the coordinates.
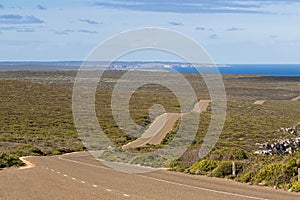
(278, 173)
(246, 177)
(30, 150)
(272, 174)
(296, 186)
(149, 159)
(224, 169)
(249, 172)
(203, 167)
(229, 154)
(9, 160)
(175, 165)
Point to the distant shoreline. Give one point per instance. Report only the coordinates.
(238, 69)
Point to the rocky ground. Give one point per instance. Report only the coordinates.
(288, 145)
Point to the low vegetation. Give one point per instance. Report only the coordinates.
(281, 172)
(8, 160)
(36, 119)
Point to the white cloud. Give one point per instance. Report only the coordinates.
(18, 19)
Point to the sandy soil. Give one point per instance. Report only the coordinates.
(158, 130)
(259, 102)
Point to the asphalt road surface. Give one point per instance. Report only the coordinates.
(80, 176)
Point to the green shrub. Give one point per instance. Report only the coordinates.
(55, 152)
(246, 177)
(149, 159)
(203, 167)
(278, 173)
(175, 165)
(290, 170)
(296, 186)
(9, 160)
(249, 172)
(270, 175)
(229, 154)
(224, 169)
(30, 150)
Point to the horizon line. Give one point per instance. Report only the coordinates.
(139, 61)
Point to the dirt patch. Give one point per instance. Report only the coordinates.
(201, 106)
(162, 126)
(296, 98)
(156, 132)
(259, 102)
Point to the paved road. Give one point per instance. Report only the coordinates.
(79, 176)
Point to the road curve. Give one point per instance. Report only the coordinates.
(80, 176)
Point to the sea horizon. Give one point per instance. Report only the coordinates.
(238, 69)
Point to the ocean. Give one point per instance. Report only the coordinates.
(260, 69)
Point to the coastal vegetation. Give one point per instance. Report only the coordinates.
(36, 119)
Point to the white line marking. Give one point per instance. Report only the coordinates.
(82, 182)
(108, 190)
(125, 195)
(170, 182)
(65, 175)
(95, 186)
(73, 178)
(203, 189)
(58, 172)
(52, 170)
(87, 164)
(28, 164)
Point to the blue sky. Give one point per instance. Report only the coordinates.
(231, 31)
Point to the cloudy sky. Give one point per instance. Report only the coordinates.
(231, 31)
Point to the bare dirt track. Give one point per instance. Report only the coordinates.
(201, 106)
(80, 176)
(163, 124)
(296, 98)
(156, 132)
(259, 102)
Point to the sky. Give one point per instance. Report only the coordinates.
(231, 31)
